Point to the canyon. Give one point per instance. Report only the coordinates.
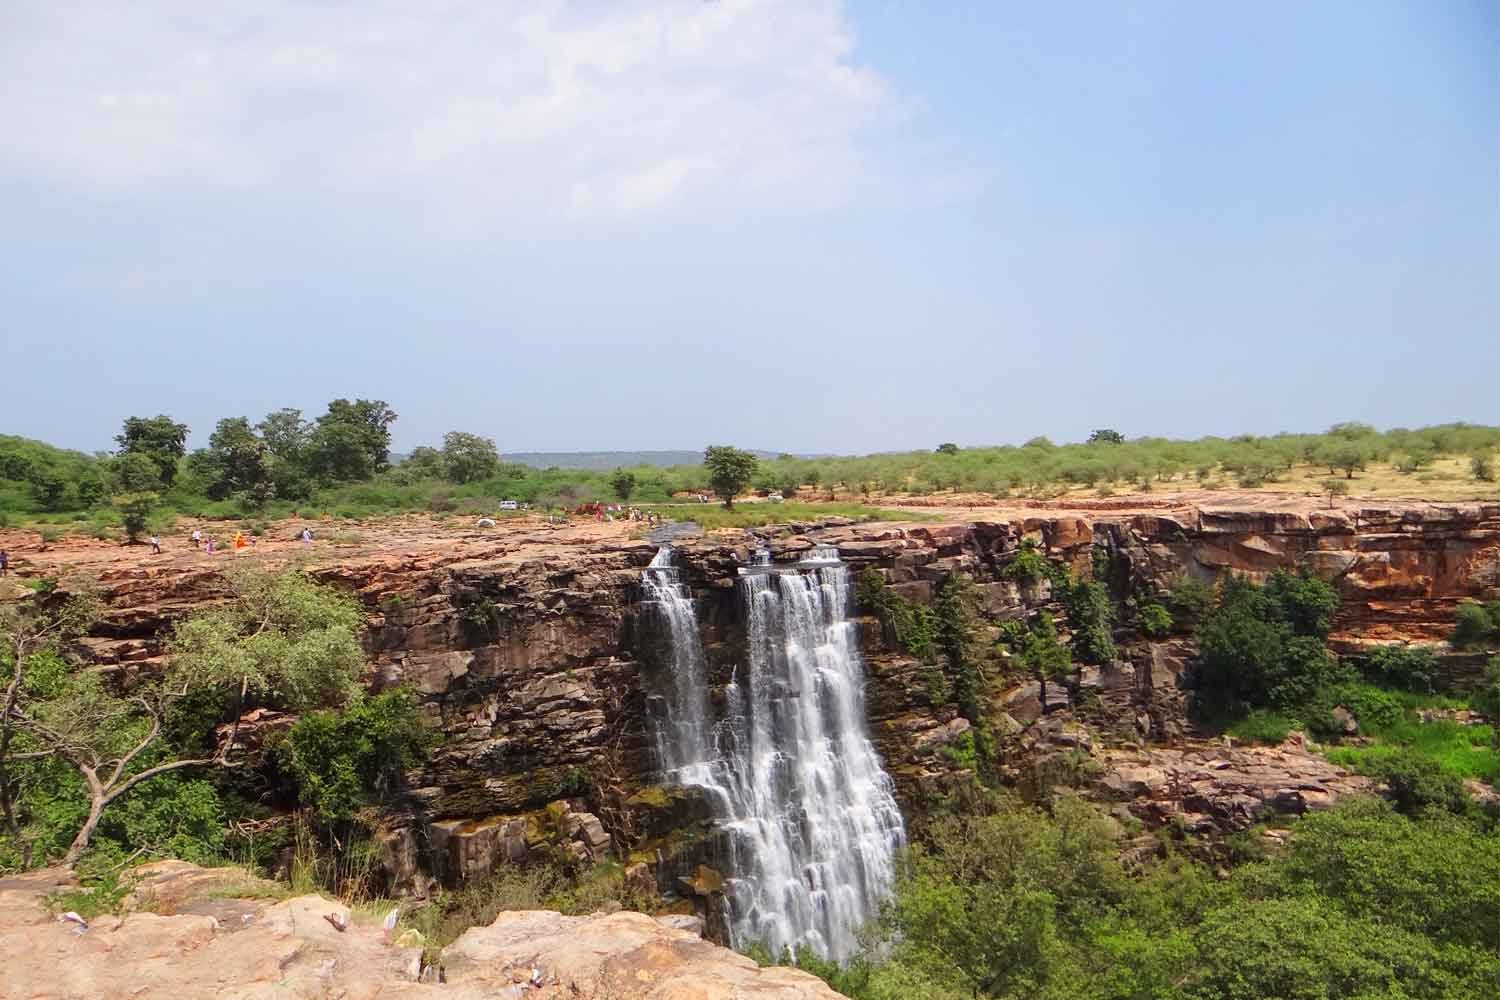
(535, 656)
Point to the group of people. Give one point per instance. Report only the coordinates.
(619, 512)
(209, 543)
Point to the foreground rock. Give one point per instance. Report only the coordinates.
(203, 944)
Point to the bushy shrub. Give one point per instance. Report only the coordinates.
(1416, 782)
(1406, 667)
(1089, 616)
(1156, 620)
(1028, 566)
(342, 761)
(1262, 646)
(1190, 598)
(1372, 708)
(1476, 625)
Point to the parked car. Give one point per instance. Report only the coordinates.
(775, 498)
(509, 505)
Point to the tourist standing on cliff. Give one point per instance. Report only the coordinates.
(197, 537)
(4, 562)
(155, 545)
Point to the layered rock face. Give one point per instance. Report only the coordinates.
(534, 664)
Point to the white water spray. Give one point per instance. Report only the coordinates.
(811, 821)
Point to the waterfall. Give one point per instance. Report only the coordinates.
(797, 788)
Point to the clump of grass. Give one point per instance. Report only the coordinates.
(1463, 751)
(1262, 726)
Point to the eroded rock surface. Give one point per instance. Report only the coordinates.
(526, 648)
(294, 948)
(1220, 789)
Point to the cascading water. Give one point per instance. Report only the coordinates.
(807, 809)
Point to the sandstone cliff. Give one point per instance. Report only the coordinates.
(527, 651)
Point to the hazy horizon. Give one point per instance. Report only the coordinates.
(800, 225)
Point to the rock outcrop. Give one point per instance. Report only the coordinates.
(526, 647)
(198, 941)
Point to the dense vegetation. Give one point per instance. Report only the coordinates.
(340, 463)
(1389, 897)
(1002, 899)
(94, 772)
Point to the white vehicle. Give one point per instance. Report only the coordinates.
(509, 505)
(775, 498)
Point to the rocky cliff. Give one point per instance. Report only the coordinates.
(528, 652)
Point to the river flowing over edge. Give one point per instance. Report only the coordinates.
(806, 809)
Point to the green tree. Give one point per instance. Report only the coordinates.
(343, 760)
(1105, 435)
(135, 509)
(623, 483)
(48, 486)
(994, 899)
(1334, 488)
(729, 471)
(1156, 620)
(135, 472)
(31, 630)
(287, 436)
(236, 461)
(159, 438)
(282, 640)
(1481, 467)
(351, 442)
(1347, 456)
(469, 457)
(424, 462)
(947, 448)
(1089, 615)
(1262, 646)
(954, 609)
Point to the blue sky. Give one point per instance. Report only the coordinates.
(789, 224)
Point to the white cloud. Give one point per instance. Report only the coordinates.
(604, 109)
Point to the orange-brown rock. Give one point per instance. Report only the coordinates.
(526, 648)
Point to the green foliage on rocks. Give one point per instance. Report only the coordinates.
(343, 761)
(1156, 620)
(1405, 667)
(954, 608)
(1476, 626)
(912, 626)
(90, 770)
(1262, 646)
(283, 640)
(1000, 900)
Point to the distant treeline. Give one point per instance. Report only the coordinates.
(340, 463)
(606, 461)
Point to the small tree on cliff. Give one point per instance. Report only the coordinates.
(729, 471)
(1334, 488)
(282, 640)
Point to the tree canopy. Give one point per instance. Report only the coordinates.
(729, 471)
